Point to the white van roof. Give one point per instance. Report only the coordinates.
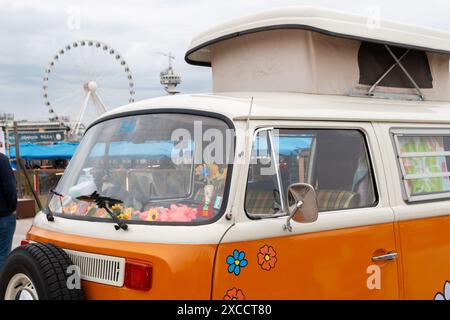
(334, 23)
(296, 106)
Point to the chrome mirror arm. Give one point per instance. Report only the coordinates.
(288, 225)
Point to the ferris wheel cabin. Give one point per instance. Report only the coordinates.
(318, 51)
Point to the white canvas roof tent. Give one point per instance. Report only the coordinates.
(312, 50)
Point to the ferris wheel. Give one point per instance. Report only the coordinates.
(83, 80)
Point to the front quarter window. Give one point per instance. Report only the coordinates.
(334, 161)
(156, 164)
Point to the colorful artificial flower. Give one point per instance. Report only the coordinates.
(117, 207)
(83, 209)
(267, 257)
(129, 211)
(177, 213)
(214, 170)
(125, 214)
(224, 173)
(73, 208)
(143, 216)
(234, 294)
(153, 215)
(199, 169)
(136, 215)
(92, 209)
(202, 171)
(236, 262)
(445, 294)
(101, 213)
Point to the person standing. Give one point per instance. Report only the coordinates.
(8, 205)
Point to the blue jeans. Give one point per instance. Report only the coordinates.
(7, 229)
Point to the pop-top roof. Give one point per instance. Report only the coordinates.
(324, 21)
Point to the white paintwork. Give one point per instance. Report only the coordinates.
(345, 24)
(332, 220)
(210, 233)
(297, 106)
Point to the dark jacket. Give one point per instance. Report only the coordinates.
(8, 193)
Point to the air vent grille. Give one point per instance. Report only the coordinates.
(99, 268)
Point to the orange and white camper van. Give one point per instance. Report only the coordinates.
(319, 168)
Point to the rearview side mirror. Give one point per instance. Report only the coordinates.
(301, 204)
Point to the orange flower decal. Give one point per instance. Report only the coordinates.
(267, 257)
(234, 294)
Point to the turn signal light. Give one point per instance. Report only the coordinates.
(138, 276)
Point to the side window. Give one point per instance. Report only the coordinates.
(424, 160)
(263, 191)
(335, 162)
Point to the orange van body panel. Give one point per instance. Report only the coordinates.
(425, 245)
(180, 271)
(330, 264)
(322, 265)
(401, 287)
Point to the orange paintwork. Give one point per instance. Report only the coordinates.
(180, 271)
(331, 264)
(425, 246)
(322, 265)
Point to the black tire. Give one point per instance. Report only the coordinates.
(46, 266)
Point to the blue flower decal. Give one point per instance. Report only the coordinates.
(236, 262)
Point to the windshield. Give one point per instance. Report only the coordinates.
(163, 167)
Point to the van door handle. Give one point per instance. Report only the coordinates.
(386, 257)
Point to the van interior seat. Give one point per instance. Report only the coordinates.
(260, 202)
(263, 201)
(260, 199)
(336, 199)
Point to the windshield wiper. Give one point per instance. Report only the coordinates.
(48, 212)
(103, 202)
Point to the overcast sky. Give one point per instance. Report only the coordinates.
(32, 32)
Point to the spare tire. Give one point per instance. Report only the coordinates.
(37, 271)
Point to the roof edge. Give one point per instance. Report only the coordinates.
(314, 13)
